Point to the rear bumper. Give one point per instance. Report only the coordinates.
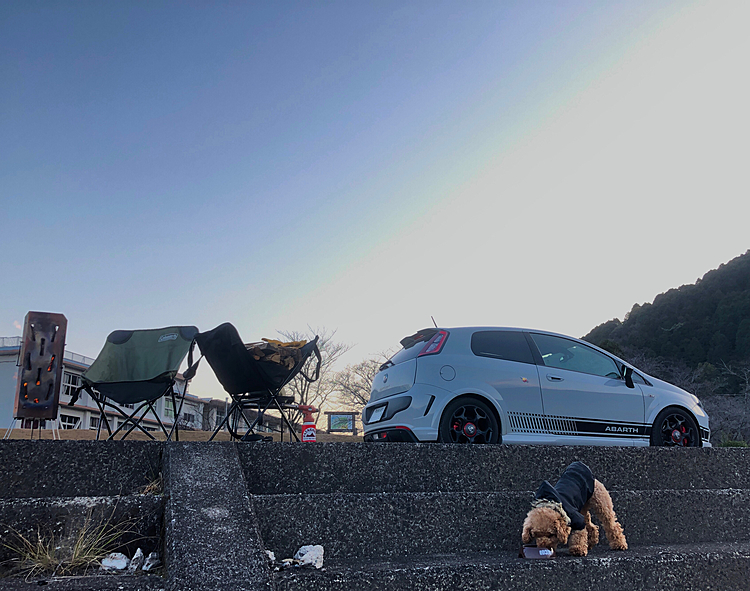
(391, 434)
(420, 416)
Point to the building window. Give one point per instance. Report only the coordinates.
(69, 422)
(188, 418)
(168, 408)
(93, 422)
(71, 381)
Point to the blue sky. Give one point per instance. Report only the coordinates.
(362, 166)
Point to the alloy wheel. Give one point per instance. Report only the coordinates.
(470, 424)
(677, 430)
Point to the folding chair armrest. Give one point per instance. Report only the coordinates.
(316, 372)
(189, 373)
(76, 395)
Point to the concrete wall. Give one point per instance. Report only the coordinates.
(396, 517)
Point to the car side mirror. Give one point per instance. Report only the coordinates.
(629, 377)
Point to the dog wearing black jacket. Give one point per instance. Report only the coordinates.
(561, 514)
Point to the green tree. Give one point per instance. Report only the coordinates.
(742, 340)
(720, 348)
(694, 352)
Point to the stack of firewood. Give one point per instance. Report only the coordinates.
(271, 351)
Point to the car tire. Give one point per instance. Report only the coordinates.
(674, 427)
(469, 420)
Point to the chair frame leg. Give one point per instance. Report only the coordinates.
(135, 421)
(236, 410)
(223, 421)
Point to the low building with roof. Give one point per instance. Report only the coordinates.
(196, 414)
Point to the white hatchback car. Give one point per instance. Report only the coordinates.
(512, 385)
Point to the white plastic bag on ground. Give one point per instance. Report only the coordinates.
(115, 561)
(310, 555)
(137, 561)
(152, 561)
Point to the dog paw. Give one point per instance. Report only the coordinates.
(578, 551)
(619, 545)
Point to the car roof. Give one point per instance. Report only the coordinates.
(539, 331)
(514, 328)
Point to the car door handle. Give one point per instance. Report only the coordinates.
(552, 378)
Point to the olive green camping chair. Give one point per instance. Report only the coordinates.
(136, 368)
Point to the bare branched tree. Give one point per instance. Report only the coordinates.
(697, 380)
(741, 373)
(315, 393)
(353, 384)
(724, 391)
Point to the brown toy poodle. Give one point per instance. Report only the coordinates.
(560, 514)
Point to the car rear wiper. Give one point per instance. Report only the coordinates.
(386, 365)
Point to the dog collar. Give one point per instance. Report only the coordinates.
(538, 503)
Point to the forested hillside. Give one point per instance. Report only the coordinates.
(698, 338)
(708, 321)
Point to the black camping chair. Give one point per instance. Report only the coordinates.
(138, 366)
(251, 384)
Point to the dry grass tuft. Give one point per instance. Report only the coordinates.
(44, 554)
(154, 487)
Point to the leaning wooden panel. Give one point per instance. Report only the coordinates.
(40, 366)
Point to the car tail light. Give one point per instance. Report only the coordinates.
(435, 344)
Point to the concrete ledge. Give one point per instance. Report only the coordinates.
(406, 516)
(63, 518)
(93, 583)
(279, 468)
(715, 567)
(77, 468)
(211, 537)
(389, 525)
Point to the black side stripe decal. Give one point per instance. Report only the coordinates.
(558, 425)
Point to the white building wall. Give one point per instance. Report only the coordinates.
(8, 378)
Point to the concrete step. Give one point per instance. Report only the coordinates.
(278, 468)
(97, 582)
(717, 567)
(211, 539)
(77, 468)
(390, 525)
(138, 518)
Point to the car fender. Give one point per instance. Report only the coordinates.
(657, 403)
(652, 417)
(494, 400)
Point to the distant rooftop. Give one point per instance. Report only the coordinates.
(15, 343)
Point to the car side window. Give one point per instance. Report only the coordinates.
(566, 354)
(501, 344)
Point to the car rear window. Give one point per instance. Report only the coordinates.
(501, 344)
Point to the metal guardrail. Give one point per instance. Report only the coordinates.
(75, 357)
(15, 342)
(10, 342)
